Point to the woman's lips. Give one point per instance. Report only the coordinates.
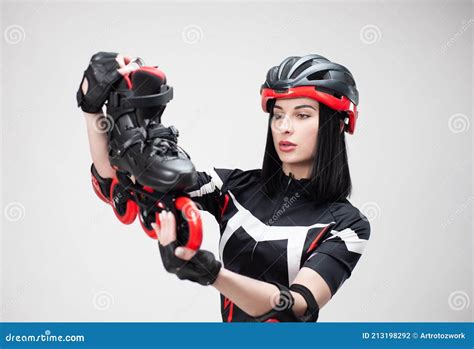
(286, 146)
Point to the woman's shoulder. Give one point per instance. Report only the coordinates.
(347, 216)
(234, 172)
(232, 177)
(239, 178)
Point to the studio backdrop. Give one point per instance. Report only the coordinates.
(65, 257)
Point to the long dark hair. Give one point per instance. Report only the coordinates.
(330, 179)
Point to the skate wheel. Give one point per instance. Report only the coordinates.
(191, 214)
(125, 212)
(149, 231)
(147, 228)
(96, 187)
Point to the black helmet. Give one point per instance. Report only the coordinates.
(315, 77)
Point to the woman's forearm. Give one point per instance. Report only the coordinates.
(98, 144)
(253, 296)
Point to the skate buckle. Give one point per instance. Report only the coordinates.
(174, 131)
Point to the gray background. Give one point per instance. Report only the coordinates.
(65, 257)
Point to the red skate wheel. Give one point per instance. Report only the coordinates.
(126, 212)
(191, 214)
(147, 228)
(149, 231)
(96, 187)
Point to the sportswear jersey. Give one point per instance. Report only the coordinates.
(271, 239)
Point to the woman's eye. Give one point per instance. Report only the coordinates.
(303, 116)
(277, 116)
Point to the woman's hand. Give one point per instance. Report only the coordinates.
(104, 69)
(167, 233)
(197, 266)
(125, 68)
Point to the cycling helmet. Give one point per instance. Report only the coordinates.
(315, 77)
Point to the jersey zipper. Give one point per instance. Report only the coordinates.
(275, 209)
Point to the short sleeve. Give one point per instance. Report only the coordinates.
(337, 255)
(207, 192)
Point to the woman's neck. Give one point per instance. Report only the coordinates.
(299, 171)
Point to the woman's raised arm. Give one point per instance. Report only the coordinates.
(98, 144)
(104, 69)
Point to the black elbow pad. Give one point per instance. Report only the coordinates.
(312, 311)
(283, 311)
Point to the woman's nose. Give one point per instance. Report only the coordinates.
(286, 124)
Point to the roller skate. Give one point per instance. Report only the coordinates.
(152, 171)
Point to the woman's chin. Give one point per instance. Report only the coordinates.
(288, 158)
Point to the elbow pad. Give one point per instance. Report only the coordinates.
(312, 311)
(283, 311)
(101, 185)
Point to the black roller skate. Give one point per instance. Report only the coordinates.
(142, 147)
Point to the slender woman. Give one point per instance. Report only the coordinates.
(289, 236)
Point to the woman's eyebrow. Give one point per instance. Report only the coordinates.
(305, 106)
(298, 107)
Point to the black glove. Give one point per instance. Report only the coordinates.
(203, 268)
(101, 74)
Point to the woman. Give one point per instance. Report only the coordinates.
(289, 236)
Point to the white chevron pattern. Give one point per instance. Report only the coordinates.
(259, 231)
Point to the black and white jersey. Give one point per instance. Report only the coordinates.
(271, 239)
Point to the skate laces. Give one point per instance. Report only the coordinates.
(164, 139)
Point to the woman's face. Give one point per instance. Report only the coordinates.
(295, 120)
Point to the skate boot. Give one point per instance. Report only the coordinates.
(152, 171)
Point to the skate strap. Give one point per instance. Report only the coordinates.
(171, 133)
(125, 98)
(165, 95)
(128, 138)
(120, 98)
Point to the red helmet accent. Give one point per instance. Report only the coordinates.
(340, 104)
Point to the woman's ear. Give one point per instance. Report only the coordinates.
(342, 126)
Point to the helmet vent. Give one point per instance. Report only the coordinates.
(301, 69)
(286, 70)
(320, 75)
